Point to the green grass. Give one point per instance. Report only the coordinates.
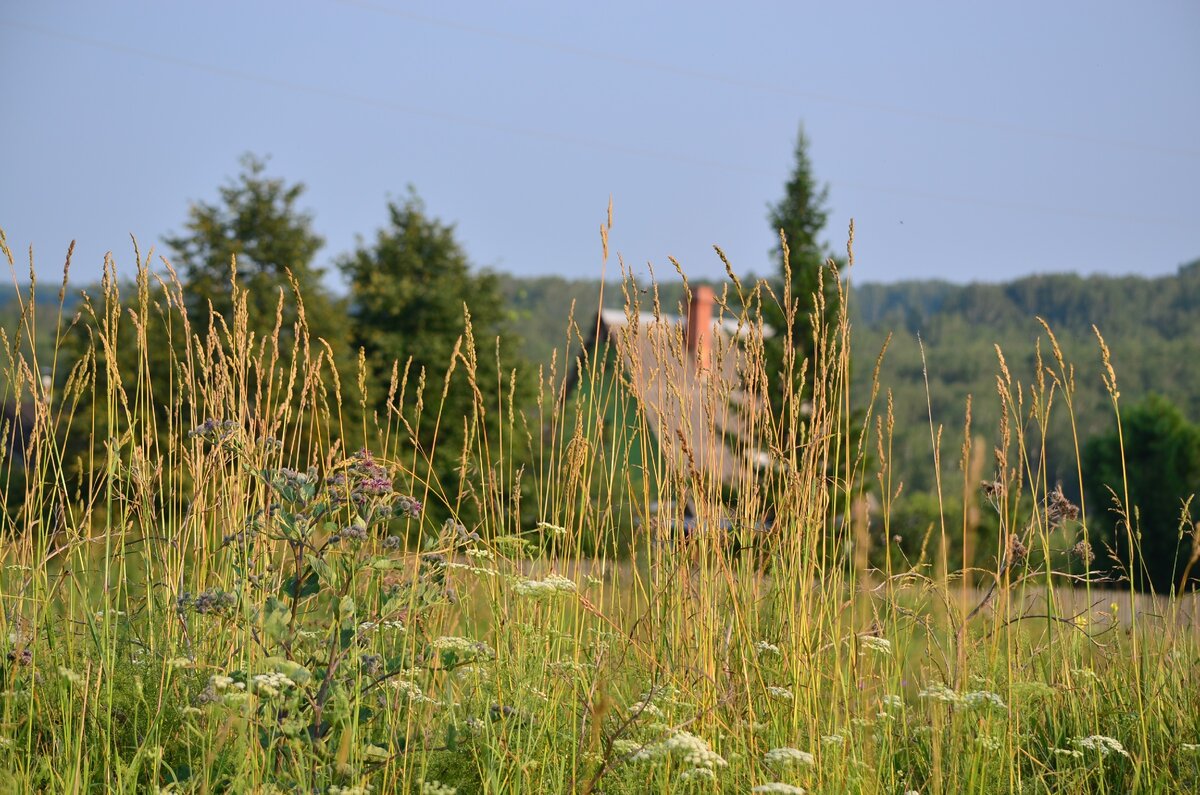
(177, 613)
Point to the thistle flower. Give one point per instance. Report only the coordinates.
(1059, 509)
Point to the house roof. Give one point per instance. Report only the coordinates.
(694, 403)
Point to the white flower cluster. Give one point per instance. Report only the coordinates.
(553, 585)
(893, 701)
(970, 700)
(219, 682)
(334, 789)
(1073, 753)
(409, 691)
(269, 685)
(645, 709)
(875, 643)
(764, 648)
(1190, 748)
(988, 743)
(687, 747)
(437, 788)
(482, 554)
(698, 774)
(69, 675)
(464, 646)
(1098, 742)
(779, 693)
(777, 788)
(982, 698)
(939, 692)
(831, 740)
(783, 757)
(546, 527)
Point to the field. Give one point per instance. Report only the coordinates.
(207, 590)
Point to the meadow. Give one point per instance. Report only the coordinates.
(217, 593)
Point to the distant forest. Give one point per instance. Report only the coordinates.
(1151, 325)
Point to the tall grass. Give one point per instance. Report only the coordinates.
(204, 590)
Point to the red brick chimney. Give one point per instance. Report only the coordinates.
(699, 326)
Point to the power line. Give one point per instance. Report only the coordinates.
(763, 86)
(590, 143)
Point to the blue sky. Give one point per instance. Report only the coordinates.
(967, 140)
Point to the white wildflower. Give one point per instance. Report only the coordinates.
(546, 527)
(437, 788)
(875, 643)
(988, 743)
(698, 774)
(180, 662)
(981, 698)
(645, 709)
(553, 585)
(1190, 748)
(779, 693)
(685, 746)
(460, 645)
(764, 648)
(1072, 753)
(219, 682)
(482, 554)
(777, 788)
(782, 757)
(69, 675)
(940, 693)
(833, 739)
(892, 701)
(1098, 742)
(270, 685)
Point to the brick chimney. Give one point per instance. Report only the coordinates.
(699, 326)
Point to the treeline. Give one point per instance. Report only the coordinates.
(943, 346)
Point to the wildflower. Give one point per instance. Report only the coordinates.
(692, 750)
(779, 693)
(1059, 509)
(1017, 551)
(1098, 742)
(180, 662)
(777, 788)
(270, 685)
(876, 643)
(406, 507)
(546, 527)
(22, 657)
(1071, 753)
(370, 664)
(623, 747)
(409, 691)
(893, 701)
(981, 698)
(833, 739)
(356, 531)
(1190, 748)
(464, 646)
(1083, 551)
(437, 788)
(69, 675)
(482, 554)
(552, 586)
(647, 708)
(376, 753)
(940, 693)
(356, 790)
(988, 743)
(698, 774)
(764, 649)
(782, 757)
